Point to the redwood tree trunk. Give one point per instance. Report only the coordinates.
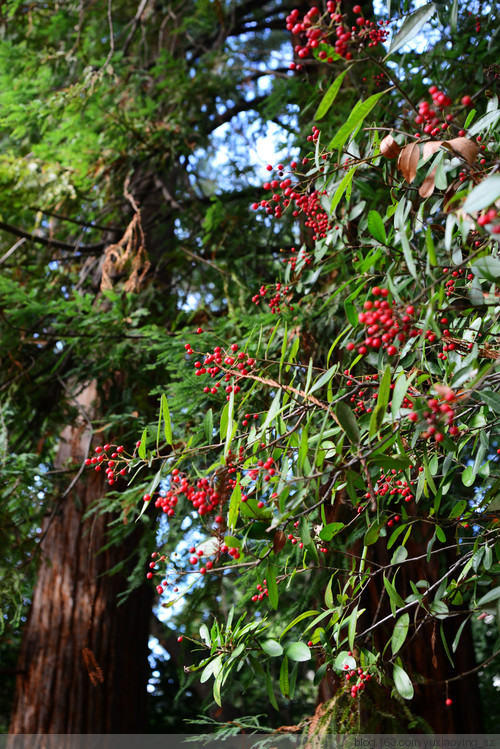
(83, 664)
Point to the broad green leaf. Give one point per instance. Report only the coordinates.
(483, 195)
(458, 635)
(272, 648)
(330, 530)
(329, 97)
(431, 249)
(297, 651)
(272, 587)
(342, 660)
(299, 618)
(488, 597)
(234, 505)
(491, 399)
(358, 114)
(167, 424)
(325, 377)
(411, 26)
(270, 691)
(378, 414)
(284, 682)
(399, 632)
(373, 532)
(400, 554)
(376, 227)
(458, 509)
(402, 682)
(400, 389)
(347, 421)
(395, 598)
(484, 122)
(341, 189)
(351, 629)
(142, 447)
(205, 634)
(208, 426)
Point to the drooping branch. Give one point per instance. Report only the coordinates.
(56, 243)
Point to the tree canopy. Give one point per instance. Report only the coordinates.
(296, 387)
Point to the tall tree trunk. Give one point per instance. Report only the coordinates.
(83, 661)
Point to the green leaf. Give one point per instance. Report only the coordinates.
(142, 447)
(402, 682)
(299, 618)
(208, 426)
(234, 505)
(330, 530)
(284, 682)
(272, 587)
(341, 189)
(488, 597)
(324, 379)
(400, 554)
(297, 651)
(347, 421)
(358, 114)
(395, 598)
(458, 509)
(431, 249)
(491, 399)
(373, 532)
(399, 632)
(378, 414)
(487, 267)
(400, 389)
(167, 424)
(270, 691)
(376, 227)
(411, 26)
(458, 635)
(483, 195)
(342, 660)
(329, 97)
(205, 635)
(272, 648)
(351, 629)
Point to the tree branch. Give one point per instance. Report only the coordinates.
(57, 243)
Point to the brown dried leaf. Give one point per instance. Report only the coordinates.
(465, 147)
(389, 147)
(427, 187)
(430, 147)
(408, 161)
(279, 541)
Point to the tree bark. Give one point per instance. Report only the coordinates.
(83, 663)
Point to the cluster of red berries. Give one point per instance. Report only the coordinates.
(280, 297)
(438, 416)
(386, 325)
(393, 485)
(262, 592)
(460, 273)
(225, 367)
(114, 464)
(429, 117)
(296, 257)
(203, 495)
(361, 676)
(307, 203)
(266, 467)
(316, 28)
(488, 218)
